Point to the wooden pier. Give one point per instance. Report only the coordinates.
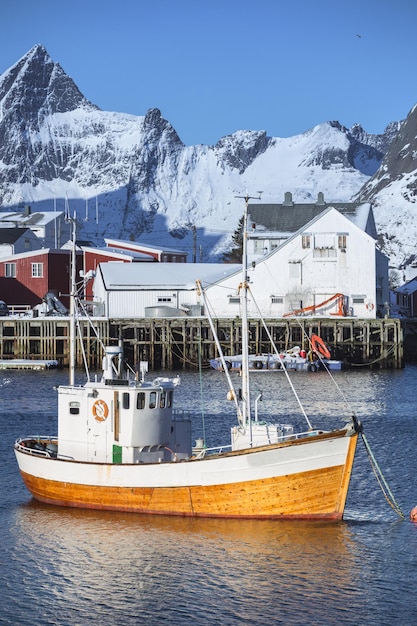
(184, 343)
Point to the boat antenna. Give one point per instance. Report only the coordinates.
(243, 288)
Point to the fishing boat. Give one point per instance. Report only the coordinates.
(122, 445)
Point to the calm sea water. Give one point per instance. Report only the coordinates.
(70, 567)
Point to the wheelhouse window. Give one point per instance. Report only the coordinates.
(74, 408)
(152, 400)
(140, 400)
(126, 400)
(37, 270)
(162, 399)
(277, 300)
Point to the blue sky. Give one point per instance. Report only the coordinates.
(218, 66)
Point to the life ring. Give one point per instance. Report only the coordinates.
(312, 367)
(319, 346)
(258, 365)
(370, 306)
(100, 410)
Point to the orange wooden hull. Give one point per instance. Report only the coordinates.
(317, 494)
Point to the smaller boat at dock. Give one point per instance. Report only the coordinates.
(296, 359)
(28, 364)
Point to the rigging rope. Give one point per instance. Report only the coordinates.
(380, 478)
(201, 387)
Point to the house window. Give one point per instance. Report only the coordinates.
(259, 246)
(27, 244)
(37, 270)
(341, 242)
(10, 270)
(277, 300)
(306, 241)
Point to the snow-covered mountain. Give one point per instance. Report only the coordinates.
(132, 177)
(393, 193)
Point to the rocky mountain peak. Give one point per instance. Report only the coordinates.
(143, 181)
(399, 160)
(35, 87)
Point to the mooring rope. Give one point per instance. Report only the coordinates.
(380, 479)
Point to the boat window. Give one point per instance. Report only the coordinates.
(140, 401)
(74, 408)
(169, 399)
(126, 400)
(162, 399)
(152, 400)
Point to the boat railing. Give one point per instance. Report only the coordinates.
(42, 442)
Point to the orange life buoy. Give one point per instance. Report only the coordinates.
(319, 346)
(370, 306)
(100, 410)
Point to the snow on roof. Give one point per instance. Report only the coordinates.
(126, 276)
(131, 255)
(137, 245)
(407, 288)
(40, 218)
(289, 218)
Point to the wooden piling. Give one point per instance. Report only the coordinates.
(182, 343)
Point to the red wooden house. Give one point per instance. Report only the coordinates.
(27, 277)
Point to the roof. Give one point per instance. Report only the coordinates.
(40, 218)
(136, 276)
(290, 217)
(118, 253)
(408, 288)
(11, 235)
(138, 246)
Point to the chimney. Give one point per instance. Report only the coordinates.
(288, 199)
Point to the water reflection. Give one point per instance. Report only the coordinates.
(141, 566)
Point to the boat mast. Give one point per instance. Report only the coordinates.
(244, 286)
(73, 293)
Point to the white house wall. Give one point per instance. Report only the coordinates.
(296, 276)
(291, 277)
(123, 304)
